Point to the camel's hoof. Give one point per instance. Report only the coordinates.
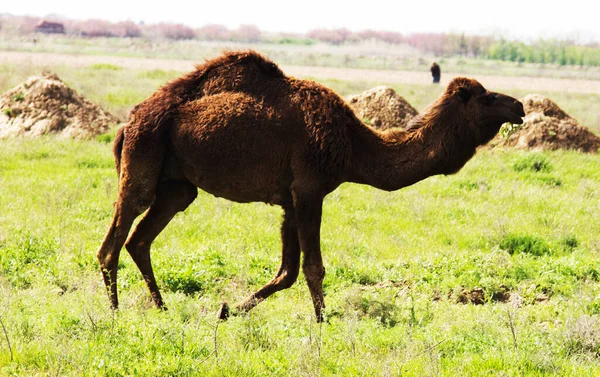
(223, 312)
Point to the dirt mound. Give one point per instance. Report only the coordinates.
(382, 108)
(44, 104)
(547, 127)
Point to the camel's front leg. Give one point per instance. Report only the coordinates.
(308, 214)
(288, 271)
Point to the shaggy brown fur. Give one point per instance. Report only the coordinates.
(238, 128)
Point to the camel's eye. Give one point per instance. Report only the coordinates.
(489, 99)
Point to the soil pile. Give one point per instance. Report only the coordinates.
(45, 105)
(547, 127)
(382, 108)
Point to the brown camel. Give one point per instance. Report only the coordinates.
(240, 129)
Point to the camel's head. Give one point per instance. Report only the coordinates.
(485, 111)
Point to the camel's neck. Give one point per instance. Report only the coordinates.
(395, 159)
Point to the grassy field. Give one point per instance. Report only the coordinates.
(492, 271)
(367, 55)
(402, 268)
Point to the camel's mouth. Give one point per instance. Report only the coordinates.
(516, 113)
(516, 118)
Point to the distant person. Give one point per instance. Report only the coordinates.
(436, 72)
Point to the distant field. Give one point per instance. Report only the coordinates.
(510, 82)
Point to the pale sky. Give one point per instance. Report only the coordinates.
(576, 19)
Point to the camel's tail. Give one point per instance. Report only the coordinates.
(118, 148)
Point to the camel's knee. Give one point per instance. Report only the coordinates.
(107, 262)
(139, 205)
(133, 201)
(136, 246)
(187, 197)
(102, 260)
(288, 278)
(314, 272)
(180, 194)
(106, 256)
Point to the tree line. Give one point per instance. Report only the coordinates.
(542, 51)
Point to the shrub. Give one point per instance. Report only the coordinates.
(379, 306)
(127, 29)
(94, 28)
(333, 36)
(569, 243)
(248, 33)
(185, 281)
(508, 129)
(533, 162)
(583, 336)
(518, 244)
(175, 31)
(214, 32)
(106, 67)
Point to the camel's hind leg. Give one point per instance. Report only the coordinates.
(309, 209)
(288, 271)
(171, 197)
(140, 172)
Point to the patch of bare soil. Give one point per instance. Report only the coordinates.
(547, 127)
(382, 108)
(476, 296)
(46, 105)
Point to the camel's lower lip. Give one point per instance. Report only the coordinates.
(517, 119)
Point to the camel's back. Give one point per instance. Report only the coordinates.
(305, 117)
(244, 72)
(310, 110)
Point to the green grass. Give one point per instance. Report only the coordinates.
(396, 264)
(105, 66)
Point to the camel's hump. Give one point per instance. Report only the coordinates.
(247, 58)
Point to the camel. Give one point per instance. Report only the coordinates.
(237, 127)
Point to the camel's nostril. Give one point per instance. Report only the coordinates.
(520, 107)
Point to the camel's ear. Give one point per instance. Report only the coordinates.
(464, 94)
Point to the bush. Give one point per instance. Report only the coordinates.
(583, 336)
(534, 163)
(127, 29)
(105, 66)
(569, 243)
(175, 31)
(519, 244)
(248, 33)
(214, 32)
(185, 281)
(378, 306)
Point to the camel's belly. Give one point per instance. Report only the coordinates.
(242, 183)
